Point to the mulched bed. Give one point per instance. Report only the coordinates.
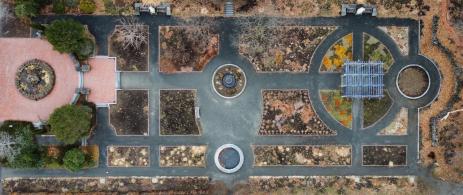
(413, 81)
(289, 112)
(399, 35)
(384, 155)
(185, 48)
(182, 156)
(281, 49)
(130, 115)
(128, 156)
(334, 185)
(375, 50)
(177, 113)
(169, 185)
(375, 109)
(337, 54)
(338, 107)
(398, 126)
(304, 155)
(128, 58)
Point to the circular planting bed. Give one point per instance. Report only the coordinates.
(228, 158)
(35, 79)
(413, 81)
(229, 81)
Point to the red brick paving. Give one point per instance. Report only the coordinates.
(101, 80)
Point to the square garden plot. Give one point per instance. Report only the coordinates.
(182, 156)
(130, 56)
(128, 156)
(130, 115)
(177, 113)
(386, 155)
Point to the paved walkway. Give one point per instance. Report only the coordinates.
(240, 122)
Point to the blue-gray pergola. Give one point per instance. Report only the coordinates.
(362, 79)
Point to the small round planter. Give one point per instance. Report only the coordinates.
(35, 79)
(229, 81)
(228, 158)
(413, 81)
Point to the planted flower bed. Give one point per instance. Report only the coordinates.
(129, 44)
(182, 156)
(128, 156)
(398, 126)
(186, 49)
(281, 49)
(375, 109)
(338, 107)
(302, 155)
(130, 115)
(35, 79)
(177, 113)
(229, 81)
(399, 35)
(384, 155)
(289, 112)
(337, 54)
(374, 50)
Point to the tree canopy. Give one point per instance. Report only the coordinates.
(74, 160)
(66, 35)
(69, 123)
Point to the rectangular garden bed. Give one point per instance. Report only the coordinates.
(130, 56)
(281, 49)
(302, 155)
(130, 115)
(177, 113)
(391, 155)
(128, 156)
(289, 112)
(186, 48)
(182, 156)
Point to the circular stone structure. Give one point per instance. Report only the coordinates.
(413, 81)
(229, 81)
(35, 79)
(228, 158)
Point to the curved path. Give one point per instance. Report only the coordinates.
(239, 125)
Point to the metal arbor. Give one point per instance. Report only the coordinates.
(362, 79)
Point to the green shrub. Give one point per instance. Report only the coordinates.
(71, 3)
(66, 35)
(87, 6)
(26, 9)
(74, 160)
(70, 123)
(86, 50)
(58, 7)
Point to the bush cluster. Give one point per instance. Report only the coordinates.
(87, 6)
(70, 123)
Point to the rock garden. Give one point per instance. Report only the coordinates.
(398, 126)
(129, 44)
(177, 113)
(229, 81)
(384, 155)
(182, 156)
(130, 115)
(375, 50)
(289, 112)
(186, 48)
(128, 156)
(375, 109)
(35, 79)
(337, 54)
(338, 107)
(281, 49)
(399, 35)
(413, 81)
(302, 155)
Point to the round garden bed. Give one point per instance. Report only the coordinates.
(413, 81)
(228, 158)
(35, 79)
(229, 81)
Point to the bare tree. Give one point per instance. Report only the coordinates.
(131, 33)
(8, 146)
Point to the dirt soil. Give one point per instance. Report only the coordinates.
(384, 155)
(11, 26)
(398, 126)
(182, 156)
(130, 115)
(177, 113)
(375, 109)
(277, 155)
(128, 58)
(188, 8)
(128, 156)
(290, 113)
(186, 48)
(281, 49)
(413, 81)
(399, 35)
